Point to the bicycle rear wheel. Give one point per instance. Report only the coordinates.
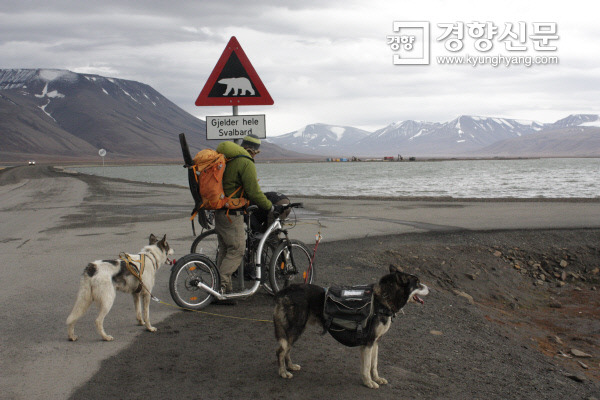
(290, 264)
(208, 244)
(185, 276)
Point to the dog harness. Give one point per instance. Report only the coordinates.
(350, 313)
(135, 264)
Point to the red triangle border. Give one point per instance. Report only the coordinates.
(234, 47)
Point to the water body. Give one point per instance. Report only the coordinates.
(530, 178)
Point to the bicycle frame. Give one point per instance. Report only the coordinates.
(275, 226)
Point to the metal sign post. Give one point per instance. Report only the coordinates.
(102, 153)
(234, 113)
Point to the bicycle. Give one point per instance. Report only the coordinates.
(195, 282)
(207, 243)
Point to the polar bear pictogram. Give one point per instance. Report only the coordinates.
(235, 84)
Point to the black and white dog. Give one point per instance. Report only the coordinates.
(102, 278)
(297, 305)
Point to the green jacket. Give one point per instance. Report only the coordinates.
(241, 171)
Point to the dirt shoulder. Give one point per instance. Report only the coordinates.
(492, 327)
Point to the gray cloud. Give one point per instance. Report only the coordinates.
(321, 61)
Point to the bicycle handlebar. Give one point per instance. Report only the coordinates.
(284, 207)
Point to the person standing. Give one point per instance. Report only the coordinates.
(229, 224)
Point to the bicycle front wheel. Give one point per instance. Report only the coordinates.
(266, 260)
(290, 263)
(185, 276)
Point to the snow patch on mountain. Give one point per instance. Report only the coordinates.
(592, 120)
(50, 75)
(338, 131)
(132, 98)
(52, 94)
(43, 108)
(595, 123)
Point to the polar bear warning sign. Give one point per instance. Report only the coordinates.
(233, 81)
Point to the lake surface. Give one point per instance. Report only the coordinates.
(534, 178)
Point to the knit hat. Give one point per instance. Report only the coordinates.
(251, 142)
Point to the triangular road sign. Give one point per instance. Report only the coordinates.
(234, 82)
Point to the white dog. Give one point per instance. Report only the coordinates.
(102, 277)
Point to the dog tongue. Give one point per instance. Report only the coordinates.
(418, 299)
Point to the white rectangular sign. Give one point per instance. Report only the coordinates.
(235, 126)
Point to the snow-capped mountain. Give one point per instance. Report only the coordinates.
(457, 137)
(577, 135)
(320, 139)
(469, 136)
(58, 114)
(576, 120)
(48, 113)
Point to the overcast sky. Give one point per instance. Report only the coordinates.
(321, 61)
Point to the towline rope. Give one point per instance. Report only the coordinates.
(156, 299)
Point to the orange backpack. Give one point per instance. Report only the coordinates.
(209, 167)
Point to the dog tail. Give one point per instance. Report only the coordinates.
(84, 294)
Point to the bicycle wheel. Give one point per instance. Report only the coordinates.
(283, 272)
(185, 275)
(207, 244)
(267, 254)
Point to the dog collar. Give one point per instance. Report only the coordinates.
(382, 309)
